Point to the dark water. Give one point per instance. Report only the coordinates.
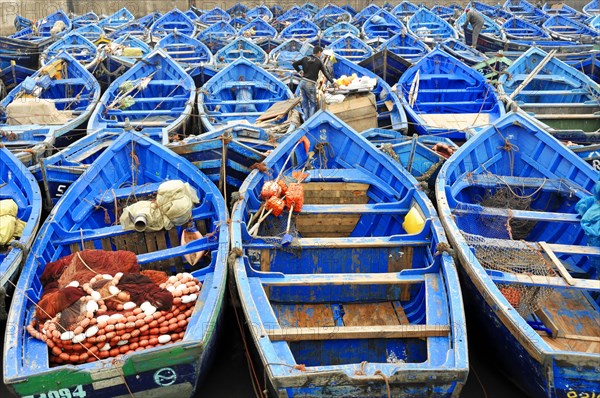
(230, 376)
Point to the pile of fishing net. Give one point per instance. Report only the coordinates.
(505, 249)
(98, 304)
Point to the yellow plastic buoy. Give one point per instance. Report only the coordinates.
(414, 221)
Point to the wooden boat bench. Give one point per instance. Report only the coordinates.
(559, 185)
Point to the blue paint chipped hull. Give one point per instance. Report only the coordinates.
(545, 344)
(353, 306)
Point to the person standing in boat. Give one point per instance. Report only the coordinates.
(476, 20)
(309, 68)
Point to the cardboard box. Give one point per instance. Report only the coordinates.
(359, 111)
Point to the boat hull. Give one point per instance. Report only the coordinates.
(535, 377)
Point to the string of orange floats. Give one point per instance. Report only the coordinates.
(109, 329)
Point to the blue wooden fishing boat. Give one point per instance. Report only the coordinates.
(564, 10)
(257, 28)
(25, 46)
(213, 16)
(463, 52)
(217, 35)
(47, 107)
(525, 10)
(390, 114)
(375, 318)
(557, 94)
(156, 92)
(592, 8)
(405, 9)
(14, 74)
(488, 43)
(381, 25)
(261, 11)
(443, 12)
(173, 20)
(386, 65)
(80, 48)
(227, 155)
(330, 15)
(311, 8)
(340, 29)
(21, 22)
(294, 14)
(589, 65)
(406, 46)
(442, 96)
(429, 27)
(237, 10)
(193, 13)
(351, 47)
(364, 14)
(60, 170)
(120, 55)
(300, 29)
(89, 18)
(116, 20)
(237, 22)
(422, 156)
(157, 367)
(529, 269)
(563, 28)
(21, 219)
(349, 9)
(91, 32)
(288, 52)
(240, 91)
(519, 29)
(186, 50)
(241, 48)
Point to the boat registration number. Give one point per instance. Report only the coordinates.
(77, 392)
(575, 394)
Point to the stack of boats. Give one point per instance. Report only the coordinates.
(171, 154)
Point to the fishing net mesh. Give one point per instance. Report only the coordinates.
(503, 248)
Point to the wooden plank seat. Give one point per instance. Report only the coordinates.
(391, 278)
(236, 102)
(359, 242)
(393, 208)
(517, 214)
(543, 281)
(488, 180)
(357, 332)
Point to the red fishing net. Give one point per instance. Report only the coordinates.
(97, 305)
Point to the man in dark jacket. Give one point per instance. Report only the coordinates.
(309, 68)
(476, 20)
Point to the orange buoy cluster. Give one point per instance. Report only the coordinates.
(109, 326)
(278, 196)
